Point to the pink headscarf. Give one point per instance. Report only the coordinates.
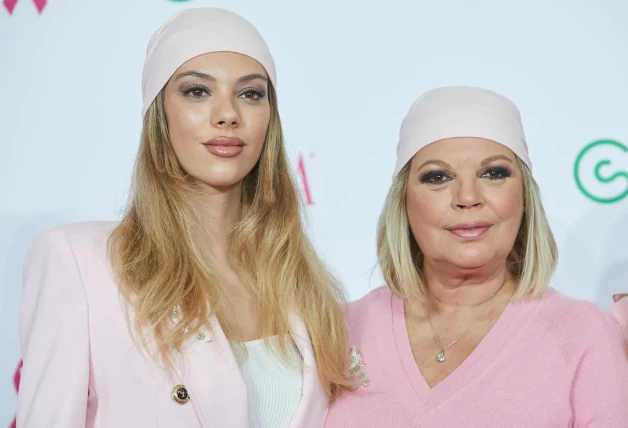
(197, 31)
(460, 111)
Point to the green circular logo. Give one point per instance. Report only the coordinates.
(601, 172)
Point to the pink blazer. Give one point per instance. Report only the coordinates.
(82, 368)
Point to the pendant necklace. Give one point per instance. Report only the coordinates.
(441, 355)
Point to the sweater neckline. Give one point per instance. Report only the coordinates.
(499, 336)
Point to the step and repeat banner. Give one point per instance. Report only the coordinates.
(348, 70)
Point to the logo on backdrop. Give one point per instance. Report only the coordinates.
(10, 5)
(303, 178)
(601, 171)
(16, 383)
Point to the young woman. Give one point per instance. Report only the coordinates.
(206, 306)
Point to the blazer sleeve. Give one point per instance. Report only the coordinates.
(619, 312)
(54, 337)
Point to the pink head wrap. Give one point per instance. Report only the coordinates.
(197, 31)
(460, 111)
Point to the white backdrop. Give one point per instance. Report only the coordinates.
(348, 70)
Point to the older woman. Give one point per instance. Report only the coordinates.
(468, 332)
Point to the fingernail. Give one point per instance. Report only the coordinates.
(615, 297)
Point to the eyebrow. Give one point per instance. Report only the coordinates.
(492, 159)
(440, 163)
(211, 78)
(484, 163)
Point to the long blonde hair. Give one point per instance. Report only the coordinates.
(160, 262)
(532, 260)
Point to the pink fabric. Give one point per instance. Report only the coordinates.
(197, 31)
(556, 362)
(619, 311)
(460, 111)
(82, 369)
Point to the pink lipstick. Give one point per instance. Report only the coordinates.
(225, 147)
(471, 230)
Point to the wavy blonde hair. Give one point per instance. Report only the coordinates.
(532, 260)
(161, 263)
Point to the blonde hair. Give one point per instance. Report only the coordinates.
(532, 260)
(160, 262)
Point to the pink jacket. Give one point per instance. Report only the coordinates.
(82, 368)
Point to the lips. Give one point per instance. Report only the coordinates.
(471, 230)
(225, 147)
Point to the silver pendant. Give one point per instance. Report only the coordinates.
(441, 356)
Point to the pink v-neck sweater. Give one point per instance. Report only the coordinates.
(551, 363)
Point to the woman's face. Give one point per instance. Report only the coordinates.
(218, 112)
(465, 202)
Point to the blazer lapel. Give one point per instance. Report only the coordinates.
(218, 394)
(212, 378)
(312, 409)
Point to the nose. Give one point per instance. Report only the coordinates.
(224, 114)
(467, 194)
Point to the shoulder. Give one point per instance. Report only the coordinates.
(566, 313)
(58, 262)
(594, 357)
(69, 247)
(369, 307)
(89, 231)
(73, 236)
(369, 317)
(580, 326)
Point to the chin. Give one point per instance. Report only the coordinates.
(471, 260)
(223, 183)
(221, 177)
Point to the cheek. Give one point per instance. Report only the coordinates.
(254, 133)
(507, 204)
(185, 122)
(427, 206)
(426, 210)
(259, 126)
(185, 127)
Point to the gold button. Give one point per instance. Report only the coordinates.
(180, 394)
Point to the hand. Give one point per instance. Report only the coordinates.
(618, 297)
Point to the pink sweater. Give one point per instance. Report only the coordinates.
(556, 362)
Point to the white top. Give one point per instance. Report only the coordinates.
(274, 386)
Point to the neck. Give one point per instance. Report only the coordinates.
(218, 212)
(452, 288)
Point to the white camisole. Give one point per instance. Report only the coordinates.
(274, 386)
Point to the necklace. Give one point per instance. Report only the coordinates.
(441, 355)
